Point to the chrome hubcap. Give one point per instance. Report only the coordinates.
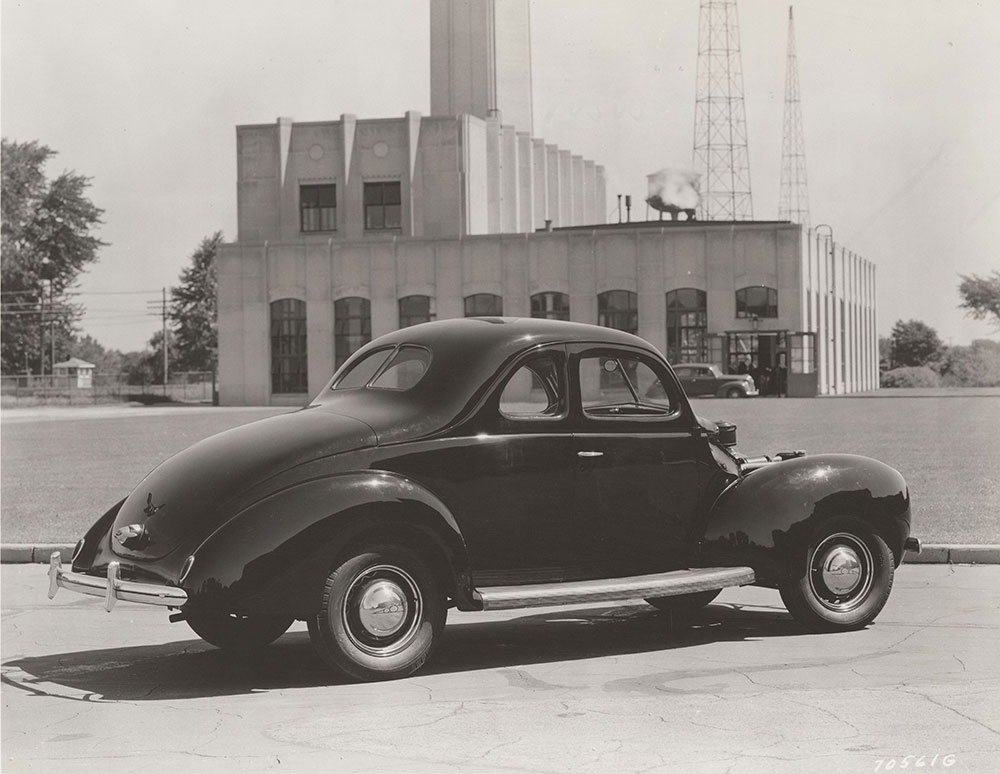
(841, 572)
(382, 609)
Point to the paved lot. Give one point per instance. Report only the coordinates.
(582, 689)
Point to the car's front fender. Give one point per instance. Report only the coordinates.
(275, 555)
(766, 518)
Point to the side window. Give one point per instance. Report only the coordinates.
(683, 373)
(621, 384)
(536, 389)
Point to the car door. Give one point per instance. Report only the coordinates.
(641, 458)
(510, 478)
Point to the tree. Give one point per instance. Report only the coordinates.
(914, 344)
(981, 297)
(194, 311)
(151, 362)
(977, 365)
(86, 347)
(46, 236)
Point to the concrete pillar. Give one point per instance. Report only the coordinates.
(540, 164)
(412, 183)
(350, 213)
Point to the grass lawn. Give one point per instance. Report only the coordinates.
(60, 471)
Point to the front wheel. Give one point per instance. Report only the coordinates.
(847, 581)
(383, 611)
(735, 392)
(235, 632)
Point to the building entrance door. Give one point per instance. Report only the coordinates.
(762, 354)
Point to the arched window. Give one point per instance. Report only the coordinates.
(757, 301)
(289, 361)
(483, 305)
(352, 327)
(618, 309)
(550, 306)
(414, 310)
(687, 326)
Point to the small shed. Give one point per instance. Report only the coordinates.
(79, 373)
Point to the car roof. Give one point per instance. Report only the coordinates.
(505, 333)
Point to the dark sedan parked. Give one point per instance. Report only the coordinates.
(701, 379)
(487, 464)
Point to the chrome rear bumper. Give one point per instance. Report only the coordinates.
(112, 587)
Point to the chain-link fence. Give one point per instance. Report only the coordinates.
(182, 387)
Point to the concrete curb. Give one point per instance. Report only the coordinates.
(28, 553)
(955, 554)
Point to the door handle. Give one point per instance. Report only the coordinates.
(590, 454)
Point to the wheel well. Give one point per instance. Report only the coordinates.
(429, 546)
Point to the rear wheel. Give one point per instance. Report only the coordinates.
(383, 611)
(233, 632)
(848, 578)
(684, 604)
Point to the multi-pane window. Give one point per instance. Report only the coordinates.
(352, 327)
(550, 306)
(383, 206)
(414, 310)
(483, 305)
(318, 207)
(803, 353)
(687, 326)
(618, 309)
(757, 301)
(289, 372)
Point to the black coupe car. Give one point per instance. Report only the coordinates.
(486, 464)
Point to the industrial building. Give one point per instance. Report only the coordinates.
(351, 228)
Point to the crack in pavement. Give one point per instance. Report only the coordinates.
(961, 714)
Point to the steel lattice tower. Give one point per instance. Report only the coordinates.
(720, 124)
(793, 199)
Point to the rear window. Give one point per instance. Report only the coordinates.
(387, 369)
(404, 370)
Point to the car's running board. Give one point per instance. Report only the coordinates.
(665, 584)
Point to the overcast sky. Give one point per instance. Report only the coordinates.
(900, 101)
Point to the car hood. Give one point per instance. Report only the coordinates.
(188, 496)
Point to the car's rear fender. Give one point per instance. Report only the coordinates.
(766, 518)
(276, 554)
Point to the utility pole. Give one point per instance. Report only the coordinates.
(721, 154)
(52, 330)
(793, 199)
(160, 307)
